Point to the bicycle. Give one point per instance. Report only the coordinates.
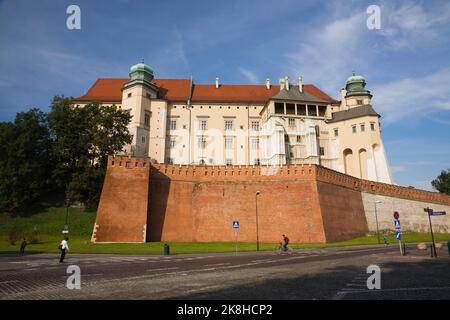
(280, 249)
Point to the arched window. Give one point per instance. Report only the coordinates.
(348, 161)
(363, 163)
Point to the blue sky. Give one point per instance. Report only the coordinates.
(406, 63)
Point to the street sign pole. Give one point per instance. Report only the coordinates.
(236, 239)
(235, 225)
(433, 248)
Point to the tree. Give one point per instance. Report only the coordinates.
(83, 139)
(26, 161)
(442, 182)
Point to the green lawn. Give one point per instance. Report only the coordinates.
(48, 225)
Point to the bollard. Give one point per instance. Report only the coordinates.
(166, 249)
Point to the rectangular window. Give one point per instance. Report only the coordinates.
(299, 139)
(148, 96)
(147, 119)
(279, 107)
(359, 102)
(322, 151)
(290, 108)
(229, 162)
(372, 126)
(228, 143)
(202, 125)
(202, 142)
(129, 95)
(172, 142)
(301, 109)
(255, 143)
(228, 125)
(322, 111)
(255, 125)
(336, 132)
(173, 124)
(170, 160)
(312, 111)
(354, 129)
(143, 139)
(363, 127)
(257, 162)
(291, 122)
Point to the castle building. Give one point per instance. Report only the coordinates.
(176, 121)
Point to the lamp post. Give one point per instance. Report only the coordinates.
(376, 219)
(66, 226)
(257, 231)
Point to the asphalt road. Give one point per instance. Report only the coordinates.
(331, 273)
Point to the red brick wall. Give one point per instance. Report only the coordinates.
(186, 203)
(342, 212)
(122, 211)
(199, 204)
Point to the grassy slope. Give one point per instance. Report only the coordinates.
(49, 224)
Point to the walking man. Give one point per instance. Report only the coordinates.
(63, 247)
(22, 246)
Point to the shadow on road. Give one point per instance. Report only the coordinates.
(399, 280)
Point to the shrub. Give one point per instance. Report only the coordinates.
(14, 235)
(33, 236)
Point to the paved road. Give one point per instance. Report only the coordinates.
(331, 273)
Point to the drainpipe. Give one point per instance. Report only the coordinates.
(191, 87)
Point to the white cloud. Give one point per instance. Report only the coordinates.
(413, 97)
(326, 55)
(249, 75)
(411, 25)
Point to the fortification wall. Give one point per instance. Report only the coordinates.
(202, 202)
(122, 211)
(143, 202)
(412, 216)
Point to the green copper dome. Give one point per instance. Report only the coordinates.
(355, 78)
(141, 67)
(356, 86)
(141, 72)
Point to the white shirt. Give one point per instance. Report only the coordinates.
(64, 245)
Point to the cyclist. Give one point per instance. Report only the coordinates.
(284, 243)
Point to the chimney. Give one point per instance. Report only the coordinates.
(267, 83)
(300, 84)
(286, 84)
(343, 93)
(217, 82)
(282, 82)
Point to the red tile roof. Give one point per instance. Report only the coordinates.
(109, 90)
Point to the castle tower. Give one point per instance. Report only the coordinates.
(137, 94)
(357, 134)
(355, 92)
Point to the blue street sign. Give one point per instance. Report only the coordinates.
(437, 213)
(398, 235)
(235, 224)
(397, 224)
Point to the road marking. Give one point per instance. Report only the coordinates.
(9, 281)
(217, 264)
(160, 269)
